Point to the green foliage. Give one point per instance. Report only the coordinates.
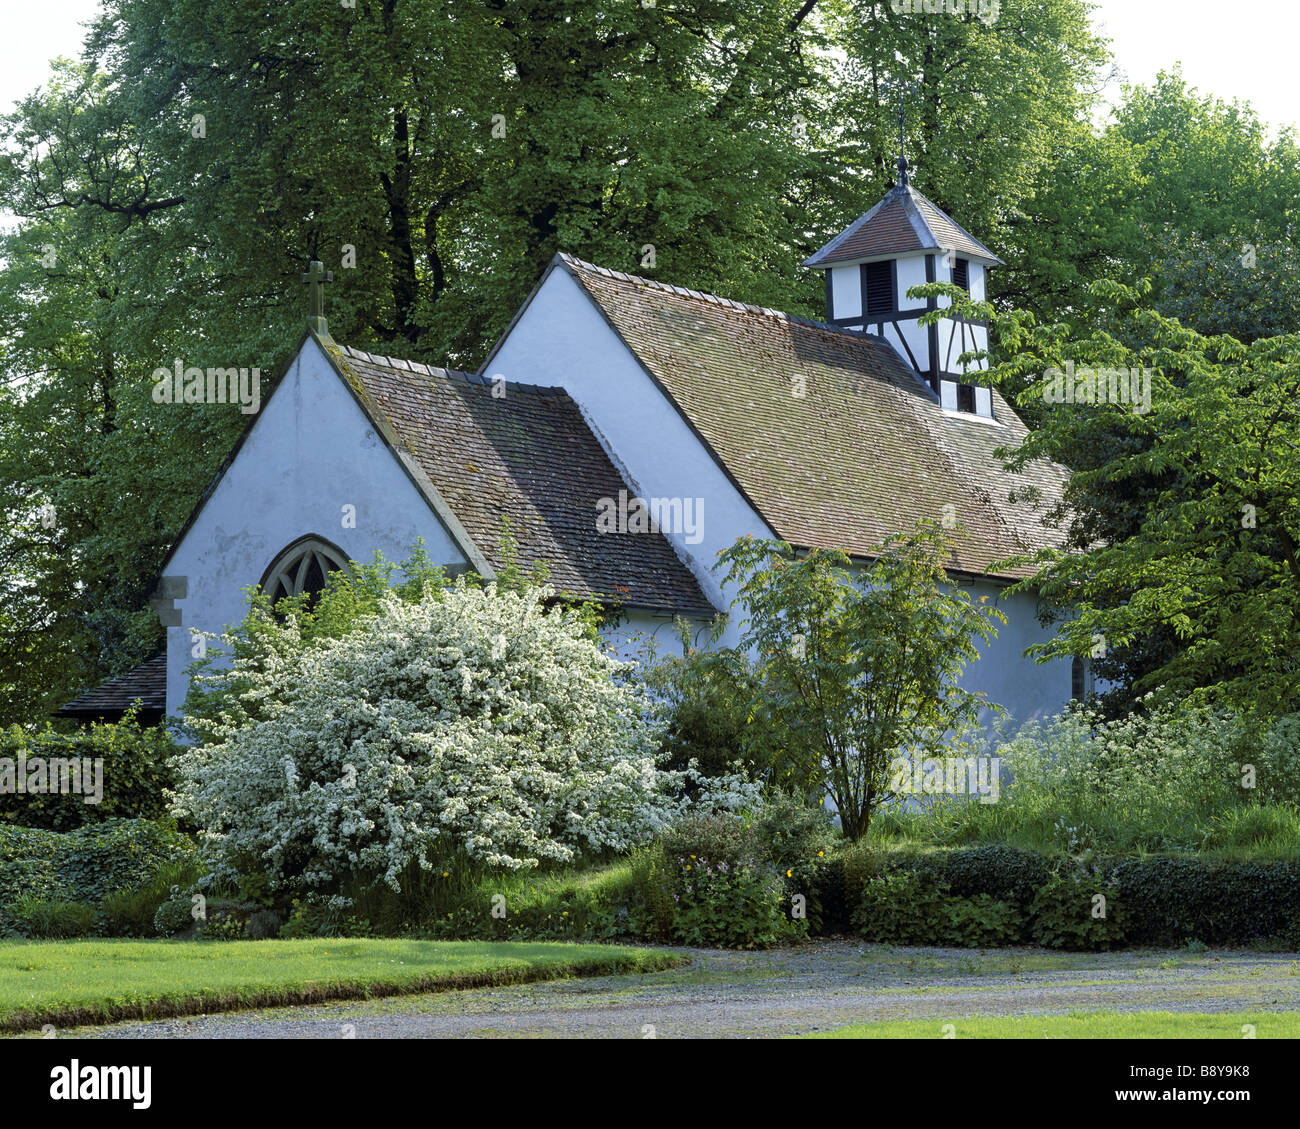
(50, 918)
(264, 924)
(1176, 777)
(131, 782)
(904, 908)
(738, 904)
(176, 915)
(132, 912)
(652, 904)
(1168, 900)
(1005, 873)
(1236, 284)
(222, 925)
(853, 665)
(1002, 895)
(1079, 908)
(1179, 183)
(708, 693)
(1183, 532)
(88, 863)
(799, 840)
(705, 880)
(722, 838)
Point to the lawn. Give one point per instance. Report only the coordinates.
(68, 983)
(1083, 1025)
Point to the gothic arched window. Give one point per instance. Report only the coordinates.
(302, 567)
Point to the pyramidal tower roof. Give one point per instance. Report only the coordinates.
(903, 222)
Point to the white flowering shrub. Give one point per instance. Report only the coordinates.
(473, 720)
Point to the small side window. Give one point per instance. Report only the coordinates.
(1077, 682)
(961, 274)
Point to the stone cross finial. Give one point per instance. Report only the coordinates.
(316, 277)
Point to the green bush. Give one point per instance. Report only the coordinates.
(719, 838)
(706, 692)
(1156, 901)
(985, 922)
(799, 841)
(222, 925)
(321, 919)
(176, 915)
(85, 864)
(652, 903)
(737, 905)
(1168, 900)
(1005, 873)
(131, 912)
(1078, 908)
(134, 774)
(906, 908)
(50, 918)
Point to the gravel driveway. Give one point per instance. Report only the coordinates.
(813, 987)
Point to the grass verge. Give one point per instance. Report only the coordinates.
(1083, 1025)
(72, 983)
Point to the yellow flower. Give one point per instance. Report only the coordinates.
(820, 854)
(789, 873)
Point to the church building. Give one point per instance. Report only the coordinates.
(626, 431)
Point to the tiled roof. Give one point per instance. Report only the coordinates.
(904, 221)
(148, 682)
(528, 456)
(865, 452)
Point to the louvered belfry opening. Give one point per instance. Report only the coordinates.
(878, 287)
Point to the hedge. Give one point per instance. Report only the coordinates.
(134, 774)
(1153, 901)
(83, 865)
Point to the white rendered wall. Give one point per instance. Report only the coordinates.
(311, 452)
(846, 291)
(1026, 689)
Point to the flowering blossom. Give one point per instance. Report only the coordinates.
(474, 720)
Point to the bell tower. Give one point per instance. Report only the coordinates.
(905, 241)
